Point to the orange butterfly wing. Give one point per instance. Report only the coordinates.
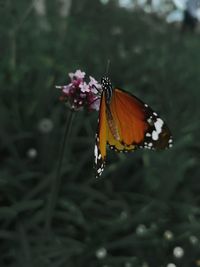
(138, 125)
(101, 138)
(104, 136)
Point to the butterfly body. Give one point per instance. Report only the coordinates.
(107, 88)
(126, 124)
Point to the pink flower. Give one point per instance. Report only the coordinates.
(95, 105)
(95, 86)
(79, 94)
(78, 75)
(84, 87)
(93, 82)
(66, 89)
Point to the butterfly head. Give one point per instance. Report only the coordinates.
(107, 88)
(106, 83)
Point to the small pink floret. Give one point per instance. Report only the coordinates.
(95, 86)
(66, 89)
(79, 74)
(95, 105)
(84, 87)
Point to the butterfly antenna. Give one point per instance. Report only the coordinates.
(107, 67)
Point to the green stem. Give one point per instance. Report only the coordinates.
(56, 180)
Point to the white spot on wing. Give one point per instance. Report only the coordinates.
(149, 120)
(95, 153)
(99, 170)
(155, 135)
(158, 125)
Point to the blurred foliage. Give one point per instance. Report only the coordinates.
(122, 218)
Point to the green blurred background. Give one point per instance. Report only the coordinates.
(145, 209)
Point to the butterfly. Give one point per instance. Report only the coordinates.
(125, 123)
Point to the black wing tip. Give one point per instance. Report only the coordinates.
(99, 169)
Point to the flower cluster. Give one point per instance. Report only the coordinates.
(79, 94)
